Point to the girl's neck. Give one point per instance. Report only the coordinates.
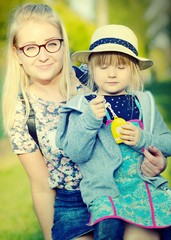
(111, 94)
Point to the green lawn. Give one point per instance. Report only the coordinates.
(17, 217)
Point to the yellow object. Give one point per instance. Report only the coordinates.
(115, 128)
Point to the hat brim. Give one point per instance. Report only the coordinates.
(83, 56)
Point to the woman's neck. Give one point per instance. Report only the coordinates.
(48, 91)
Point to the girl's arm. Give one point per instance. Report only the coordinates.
(77, 133)
(43, 196)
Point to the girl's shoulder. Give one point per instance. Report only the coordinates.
(144, 96)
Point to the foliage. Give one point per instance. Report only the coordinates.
(78, 29)
(1, 128)
(131, 13)
(161, 92)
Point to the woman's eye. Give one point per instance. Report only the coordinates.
(30, 48)
(52, 44)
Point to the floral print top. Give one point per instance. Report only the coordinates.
(63, 172)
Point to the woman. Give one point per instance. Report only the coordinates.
(38, 66)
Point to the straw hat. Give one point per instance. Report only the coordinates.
(113, 38)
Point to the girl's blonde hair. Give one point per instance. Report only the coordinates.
(16, 79)
(115, 58)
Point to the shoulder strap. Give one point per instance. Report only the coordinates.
(31, 122)
(32, 126)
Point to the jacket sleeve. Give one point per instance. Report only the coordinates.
(160, 136)
(77, 133)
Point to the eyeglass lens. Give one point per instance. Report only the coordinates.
(33, 50)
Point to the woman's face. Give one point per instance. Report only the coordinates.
(45, 66)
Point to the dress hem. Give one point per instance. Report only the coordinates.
(127, 221)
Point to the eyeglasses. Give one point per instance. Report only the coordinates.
(32, 50)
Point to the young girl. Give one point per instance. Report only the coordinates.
(111, 128)
(38, 66)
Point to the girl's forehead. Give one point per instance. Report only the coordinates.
(111, 58)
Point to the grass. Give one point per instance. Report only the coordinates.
(17, 217)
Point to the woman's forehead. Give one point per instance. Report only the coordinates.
(37, 32)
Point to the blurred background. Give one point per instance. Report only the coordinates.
(150, 20)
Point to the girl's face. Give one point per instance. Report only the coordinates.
(45, 66)
(112, 78)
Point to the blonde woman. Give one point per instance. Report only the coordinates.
(111, 127)
(38, 67)
(38, 71)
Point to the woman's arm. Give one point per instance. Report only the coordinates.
(154, 162)
(43, 196)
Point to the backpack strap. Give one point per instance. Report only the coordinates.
(32, 126)
(31, 121)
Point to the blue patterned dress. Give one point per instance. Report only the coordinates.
(139, 203)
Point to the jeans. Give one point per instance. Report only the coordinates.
(70, 216)
(109, 229)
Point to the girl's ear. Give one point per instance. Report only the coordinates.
(17, 55)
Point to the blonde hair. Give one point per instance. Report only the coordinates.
(17, 80)
(114, 58)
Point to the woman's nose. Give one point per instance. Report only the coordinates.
(43, 54)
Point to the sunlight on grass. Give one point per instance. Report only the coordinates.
(17, 217)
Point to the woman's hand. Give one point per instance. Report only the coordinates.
(154, 162)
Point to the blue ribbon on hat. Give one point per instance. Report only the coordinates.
(116, 41)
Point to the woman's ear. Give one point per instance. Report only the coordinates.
(16, 54)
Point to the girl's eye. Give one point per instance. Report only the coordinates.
(104, 66)
(121, 66)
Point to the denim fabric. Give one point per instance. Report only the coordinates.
(165, 233)
(109, 229)
(70, 216)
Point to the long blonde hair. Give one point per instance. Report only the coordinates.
(114, 58)
(16, 79)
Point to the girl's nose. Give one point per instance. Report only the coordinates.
(112, 71)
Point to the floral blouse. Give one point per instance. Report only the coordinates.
(63, 172)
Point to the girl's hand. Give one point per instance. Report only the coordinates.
(97, 105)
(130, 134)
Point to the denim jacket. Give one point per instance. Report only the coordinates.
(87, 141)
